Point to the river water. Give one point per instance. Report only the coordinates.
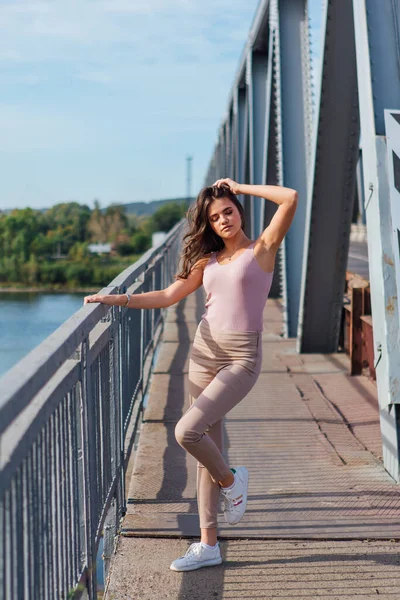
(27, 318)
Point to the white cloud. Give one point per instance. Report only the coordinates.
(61, 30)
(105, 87)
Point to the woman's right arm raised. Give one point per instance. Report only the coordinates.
(158, 299)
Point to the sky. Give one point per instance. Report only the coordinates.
(105, 99)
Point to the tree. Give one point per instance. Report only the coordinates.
(79, 252)
(168, 215)
(96, 225)
(31, 270)
(116, 222)
(18, 231)
(141, 242)
(107, 226)
(69, 217)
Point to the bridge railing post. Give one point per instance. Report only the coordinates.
(87, 429)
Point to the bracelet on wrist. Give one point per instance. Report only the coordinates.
(128, 299)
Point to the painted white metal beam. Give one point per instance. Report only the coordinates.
(392, 126)
(376, 35)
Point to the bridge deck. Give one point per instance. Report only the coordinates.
(322, 513)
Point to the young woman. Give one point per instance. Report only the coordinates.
(226, 355)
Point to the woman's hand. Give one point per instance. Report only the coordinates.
(234, 187)
(93, 298)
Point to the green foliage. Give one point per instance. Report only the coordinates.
(18, 231)
(124, 248)
(79, 251)
(104, 273)
(137, 244)
(107, 226)
(31, 270)
(43, 246)
(133, 223)
(51, 249)
(149, 208)
(52, 273)
(71, 218)
(141, 242)
(168, 215)
(78, 274)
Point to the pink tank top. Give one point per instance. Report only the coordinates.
(236, 292)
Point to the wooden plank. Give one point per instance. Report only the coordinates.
(186, 525)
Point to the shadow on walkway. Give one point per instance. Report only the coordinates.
(319, 497)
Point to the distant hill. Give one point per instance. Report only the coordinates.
(148, 208)
(137, 208)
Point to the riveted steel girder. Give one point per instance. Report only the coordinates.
(245, 156)
(292, 91)
(271, 165)
(230, 145)
(258, 66)
(331, 186)
(241, 128)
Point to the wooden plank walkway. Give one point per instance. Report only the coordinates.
(319, 497)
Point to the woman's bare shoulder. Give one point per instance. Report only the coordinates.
(201, 262)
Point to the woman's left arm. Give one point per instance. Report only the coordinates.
(275, 193)
(272, 235)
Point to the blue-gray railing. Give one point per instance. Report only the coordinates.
(68, 417)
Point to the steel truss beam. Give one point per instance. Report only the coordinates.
(331, 189)
(240, 130)
(270, 163)
(258, 66)
(292, 100)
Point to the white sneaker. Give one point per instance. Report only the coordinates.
(235, 498)
(197, 556)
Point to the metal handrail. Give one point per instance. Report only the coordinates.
(68, 413)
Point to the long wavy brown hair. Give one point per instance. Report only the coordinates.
(201, 239)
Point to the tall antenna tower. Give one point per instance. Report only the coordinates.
(189, 178)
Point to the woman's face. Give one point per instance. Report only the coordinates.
(224, 217)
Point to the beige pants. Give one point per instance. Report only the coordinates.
(223, 367)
